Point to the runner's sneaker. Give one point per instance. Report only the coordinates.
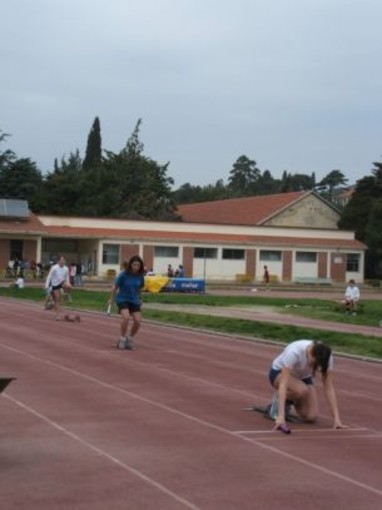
(273, 409)
(122, 343)
(130, 343)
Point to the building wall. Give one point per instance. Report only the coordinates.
(4, 253)
(310, 212)
(30, 250)
(148, 256)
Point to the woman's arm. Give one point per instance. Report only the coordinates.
(331, 398)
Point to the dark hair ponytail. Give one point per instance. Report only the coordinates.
(321, 354)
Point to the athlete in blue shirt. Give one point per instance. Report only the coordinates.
(126, 293)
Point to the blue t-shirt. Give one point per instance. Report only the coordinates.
(129, 286)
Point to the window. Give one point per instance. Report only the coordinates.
(205, 253)
(110, 254)
(270, 255)
(229, 254)
(16, 249)
(306, 256)
(352, 262)
(166, 251)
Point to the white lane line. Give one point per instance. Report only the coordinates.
(102, 453)
(299, 431)
(194, 419)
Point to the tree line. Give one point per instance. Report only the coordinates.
(129, 185)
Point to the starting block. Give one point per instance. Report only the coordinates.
(264, 410)
(4, 381)
(72, 318)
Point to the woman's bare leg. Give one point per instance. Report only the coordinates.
(304, 397)
(125, 317)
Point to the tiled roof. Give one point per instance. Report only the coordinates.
(200, 237)
(239, 211)
(31, 225)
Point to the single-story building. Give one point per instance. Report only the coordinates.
(294, 234)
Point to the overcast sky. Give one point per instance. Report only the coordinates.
(294, 84)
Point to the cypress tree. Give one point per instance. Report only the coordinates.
(93, 153)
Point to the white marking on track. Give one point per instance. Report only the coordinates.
(189, 417)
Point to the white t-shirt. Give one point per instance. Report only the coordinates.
(57, 275)
(20, 283)
(352, 293)
(295, 357)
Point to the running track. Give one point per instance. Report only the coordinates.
(86, 426)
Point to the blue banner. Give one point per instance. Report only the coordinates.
(185, 285)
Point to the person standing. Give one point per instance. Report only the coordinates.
(292, 375)
(126, 292)
(266, 277)
(58, 279)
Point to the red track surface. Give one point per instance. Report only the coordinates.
(86, 426)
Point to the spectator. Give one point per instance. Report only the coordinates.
(19, 284)
(170, 271)
(352, 296)
(72, 273)
(79, 273)
(179, 272)
(16, 267)
(266, 277)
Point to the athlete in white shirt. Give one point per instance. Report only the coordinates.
(292, 375)
(57, 279)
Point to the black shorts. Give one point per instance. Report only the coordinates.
(132, 307)
(57, 287)
(273, 373)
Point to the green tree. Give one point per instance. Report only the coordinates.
(21, 179)
(355, 215)
(61, 188)
(6, 156)
(243, 176)
(267, 185)
(142, 187)
(373, 238)
(332, 182)
(93, 154)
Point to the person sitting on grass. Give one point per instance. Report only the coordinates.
(19, 283)
(292, 375)
(352, 296)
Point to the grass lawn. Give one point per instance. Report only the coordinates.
(320, 309)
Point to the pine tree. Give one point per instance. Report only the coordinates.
(93, 155)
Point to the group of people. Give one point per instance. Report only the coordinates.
(292, 374)
(175, 273)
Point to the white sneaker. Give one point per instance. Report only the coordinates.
(130, 343)
(274, 407)
(121, 343)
